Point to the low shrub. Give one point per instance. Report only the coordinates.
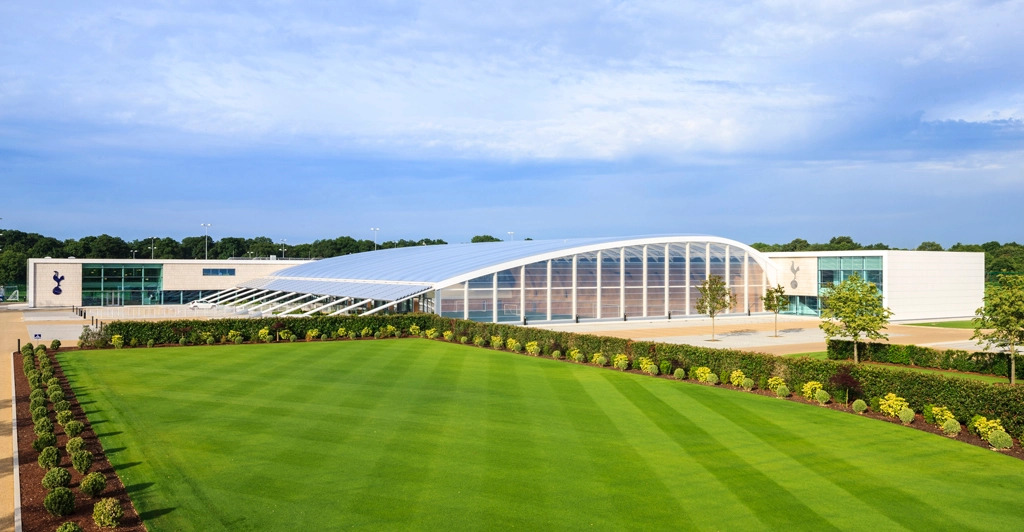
(736, 378)
(679, 374)
(665, 366)
(621, 362)
(292, 338)
(431, 333)
(35, 382)
(93, 484)
(533, 348)
(45, 375)
(56, 477)
(48, 458)
(74, 444)
(876, 404)
(782, 391)
(951, 427)
(39, 413)
(702, 373)
(183, 341)
(906, 415)
(775, 382)
(822, 397)
(414, 330)
(713, 379)
(859, 406)
(599, 360)
(59, 502)
(73, 428)
(891, 404)
(982, 426)
(464, 340)
(151, 343)
(352, 335)
(60, 406)
(52, 381)
(43, 425)
(809, 389)
(312, 333)
(64, 416)
(577, 356)
(28, 348)
(556, 354)
(513, 345)
(747, 384)
(367, 332)
(999, 439)
(36, 403)
(496, 342)
(55, 345)
(478, 340)
(81, 461)
(762, 383)
(448, 335)
(117, 341)
(44, 440)
(57, 395)
(70, 526)
(107, 513)
(940, 414)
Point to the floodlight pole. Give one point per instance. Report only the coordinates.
(152, 248)
(284, 246)
(206, 242)
(375, 230)
(133, 254)
(511, 235)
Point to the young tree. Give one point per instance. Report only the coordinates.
(776, 300)
(1001, 321)
(714, 298)
(853, 309)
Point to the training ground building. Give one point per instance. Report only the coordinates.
(649, 277)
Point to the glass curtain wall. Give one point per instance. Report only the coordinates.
(121, 284)
(616, 283)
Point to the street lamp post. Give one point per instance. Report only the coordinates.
(152, 248)
(284, 246)
(206, 242)
(133, 254)
(375, 229)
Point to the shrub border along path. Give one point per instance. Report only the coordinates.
(33, 516)
(782, 472)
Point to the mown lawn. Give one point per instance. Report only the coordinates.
(417, 434)
(962, 324)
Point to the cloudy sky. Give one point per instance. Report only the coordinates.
(893, 122)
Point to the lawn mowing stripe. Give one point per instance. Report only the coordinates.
(409, 452)
(880, 494)
(727, 466)
(620, 469)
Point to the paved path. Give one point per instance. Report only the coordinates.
(12, 327)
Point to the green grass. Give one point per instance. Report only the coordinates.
(964, 324)
(814, 355)
(414, 434)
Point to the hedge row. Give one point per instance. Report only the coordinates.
(997, 364)
(966, 398)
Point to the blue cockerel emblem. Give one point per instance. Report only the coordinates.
(57, 277)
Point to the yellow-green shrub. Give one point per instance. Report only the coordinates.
(775, 382)
(809, 389)
(497, 342)
(941, 414)
(702, 373)
(983, 427)
(891, 405)
(312, 333)
(117, 340)
(621, 362)
(533, 348)
(736, 378)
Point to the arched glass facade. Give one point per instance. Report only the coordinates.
(633, 281)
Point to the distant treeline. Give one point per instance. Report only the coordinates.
(999, 258)
(16, 247)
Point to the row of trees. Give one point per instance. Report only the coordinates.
(16, 247)
(999, 258)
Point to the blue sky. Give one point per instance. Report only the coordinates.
(893, 122)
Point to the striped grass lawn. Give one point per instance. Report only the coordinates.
(961, 324)
(417, 434)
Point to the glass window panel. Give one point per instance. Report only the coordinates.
(872, 263)
(561, 272)
(851, 263)
(484, 281)
(586, 303)
(827, 277)
(655, 301)
(610, 303)
(634, 266)
(828, 263)
(610, 267)
(586, 270)
(677, 265)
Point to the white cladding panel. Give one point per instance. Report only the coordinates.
(934, 284)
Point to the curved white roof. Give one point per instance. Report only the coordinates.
(393, 274)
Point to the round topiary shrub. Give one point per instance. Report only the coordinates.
(64, 416)
(713, 379)
(1000, 440)
(61, 405)
(600, 360)
(74, 445)
(82, 461)
(53, 388)
(679, 374)
(73, 428)
(93, 484)
(38, 413)
(149, 343)
(951, 427)
(70, 526)
(46, 374)
(181, 341)
(107, 513)
(859, 406)
(44, 440)
(209, 341)
(238, 340)
(747, 384)
(782, 391)
(37, 394)
(36, 403)
(556, 354)
(59, 502)
(52, 381)
(293, 338)
(43, 425)
(323, 338)
(56, 477)
(821, 396)
(906, 415)
(49, 458)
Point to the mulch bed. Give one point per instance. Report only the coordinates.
(34, 516)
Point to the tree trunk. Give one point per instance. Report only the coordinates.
(856, 359)
(712, 328)
(1013, 365)
(776, 324)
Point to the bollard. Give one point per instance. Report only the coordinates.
(670, 314)
(623, 316)
(19, 345)
(577, 318)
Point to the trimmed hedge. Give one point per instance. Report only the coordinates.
(965, 398)
(997, 364)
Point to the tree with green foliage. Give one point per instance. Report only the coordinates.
(853, 309)
(776, 301)
(1001, 321)
(929, 246)
(484, 238)
(714, 298)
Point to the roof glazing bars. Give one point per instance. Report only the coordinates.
(272, 301)
(244, 292)
(350, 307)
(288, 302)
(328, 305)
(265, 295)
(393, 303)
(304, 303)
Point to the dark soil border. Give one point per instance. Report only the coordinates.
(34, 516)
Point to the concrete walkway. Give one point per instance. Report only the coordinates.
(12, 327)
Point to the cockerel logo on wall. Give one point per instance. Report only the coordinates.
(57, 277)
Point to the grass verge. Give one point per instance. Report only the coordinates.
(415, 434)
